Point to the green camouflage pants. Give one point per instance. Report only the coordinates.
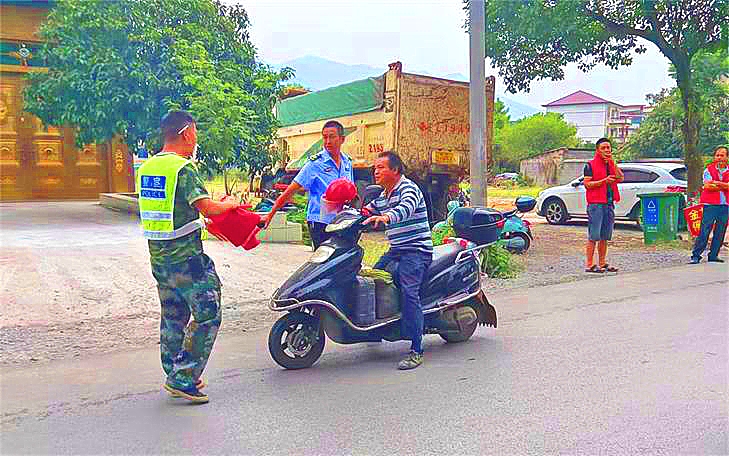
(189, 288)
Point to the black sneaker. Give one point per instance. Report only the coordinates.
(695, 261)
(191, 394)
(715, 260)
(411, 361)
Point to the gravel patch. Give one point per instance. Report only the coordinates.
(558, 256)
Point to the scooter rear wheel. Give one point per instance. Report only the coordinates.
(296, 340)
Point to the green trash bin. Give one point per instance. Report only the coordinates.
(659, 216)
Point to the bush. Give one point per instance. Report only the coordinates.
(524, 181)
(498, 263)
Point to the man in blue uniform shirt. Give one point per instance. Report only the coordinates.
(315, 177)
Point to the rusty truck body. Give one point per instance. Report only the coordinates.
(425, 120)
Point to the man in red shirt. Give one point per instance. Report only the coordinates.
(715, 198)
(601, 183)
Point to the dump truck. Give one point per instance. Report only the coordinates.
(424, 119)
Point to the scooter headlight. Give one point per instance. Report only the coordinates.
(322, 254)
(343, 225)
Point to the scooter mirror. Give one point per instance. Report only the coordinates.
(370, 193)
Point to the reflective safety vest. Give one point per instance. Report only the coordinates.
(157, 183)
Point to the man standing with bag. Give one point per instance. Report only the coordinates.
(715, 198)
(171, 197)
(602, 176)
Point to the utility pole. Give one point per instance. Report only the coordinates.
(477, 101)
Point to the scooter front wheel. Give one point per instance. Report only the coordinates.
(296, 340)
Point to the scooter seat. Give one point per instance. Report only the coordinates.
(443, 257)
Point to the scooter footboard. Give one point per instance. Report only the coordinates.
(486, 312)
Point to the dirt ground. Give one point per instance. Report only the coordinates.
(76, 280)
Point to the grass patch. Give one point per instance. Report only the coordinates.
(674, 245)
(215, 186)
(514, 192)
(238, 180)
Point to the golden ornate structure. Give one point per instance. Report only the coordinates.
(38, 161)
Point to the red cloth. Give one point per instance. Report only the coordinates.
(714, 196)
(598, 195)
(237, 226)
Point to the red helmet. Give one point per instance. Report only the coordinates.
(340, 192)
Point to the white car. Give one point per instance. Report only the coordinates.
(559, 204)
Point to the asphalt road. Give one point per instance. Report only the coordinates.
(626, 364)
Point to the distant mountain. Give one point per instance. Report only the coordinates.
(517, 110)
(316, 73)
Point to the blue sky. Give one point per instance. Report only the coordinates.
(425, 35)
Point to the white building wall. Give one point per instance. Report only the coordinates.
(590, 119)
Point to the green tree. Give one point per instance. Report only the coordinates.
(497, 162)
(115, 68)
(536, 39)
(501, 115)
(660, 133)
(533, 135)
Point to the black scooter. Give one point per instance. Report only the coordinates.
(326, 298)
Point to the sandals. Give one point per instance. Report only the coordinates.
(594, 269)
(607, 268)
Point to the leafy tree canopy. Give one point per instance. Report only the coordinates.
(532, 136)
(660, 133)
(115, 68)
(535, 39)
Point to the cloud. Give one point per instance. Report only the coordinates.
(425, 35)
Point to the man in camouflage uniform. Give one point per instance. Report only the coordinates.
(172, 196)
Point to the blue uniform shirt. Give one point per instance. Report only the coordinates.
(316, 176)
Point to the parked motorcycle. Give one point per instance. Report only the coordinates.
(516, 236)
(326, 298)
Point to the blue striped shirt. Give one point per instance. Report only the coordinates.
(408, 229)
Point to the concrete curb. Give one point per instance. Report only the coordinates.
(124, 202)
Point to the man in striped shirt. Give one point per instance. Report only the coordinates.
(401, 207)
